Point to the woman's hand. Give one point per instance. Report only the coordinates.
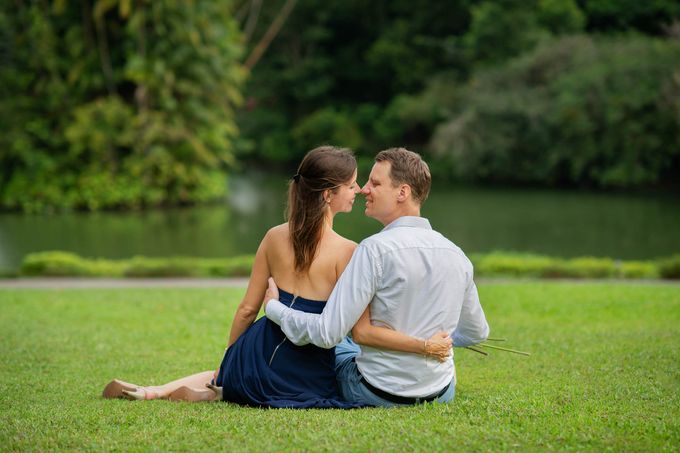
(438, 346)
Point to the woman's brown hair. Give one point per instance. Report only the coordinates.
(323, 168)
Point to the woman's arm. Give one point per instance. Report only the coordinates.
(250, 305)
(364, 333)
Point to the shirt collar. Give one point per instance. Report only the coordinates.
(409, 222)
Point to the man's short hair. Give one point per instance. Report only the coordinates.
(409, 168)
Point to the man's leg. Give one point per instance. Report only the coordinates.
(345, 352)
(349, 378)
(448, 396)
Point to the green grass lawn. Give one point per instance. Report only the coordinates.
(604, 374)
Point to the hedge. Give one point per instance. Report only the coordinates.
(66, 264)
(495, 264)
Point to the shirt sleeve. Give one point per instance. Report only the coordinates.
(472, 326)
(350, 297)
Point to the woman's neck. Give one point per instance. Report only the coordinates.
(328, 220)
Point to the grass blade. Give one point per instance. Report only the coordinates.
(502, 349)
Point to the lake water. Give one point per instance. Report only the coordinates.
(558, 223)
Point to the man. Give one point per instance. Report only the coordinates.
(416, 282)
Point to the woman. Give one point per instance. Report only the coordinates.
(305, 257)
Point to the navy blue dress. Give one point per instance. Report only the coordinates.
(263, 368)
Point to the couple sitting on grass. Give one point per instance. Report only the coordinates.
(406, 294)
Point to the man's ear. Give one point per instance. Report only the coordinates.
(404, 193)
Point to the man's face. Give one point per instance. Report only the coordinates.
(381, 195)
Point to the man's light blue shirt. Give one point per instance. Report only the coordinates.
(417, 282)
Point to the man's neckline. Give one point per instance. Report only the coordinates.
(408, 221)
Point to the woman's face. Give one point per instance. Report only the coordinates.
(342, 198)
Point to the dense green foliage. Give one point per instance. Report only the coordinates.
(576, 111)
(495, 90)
(496, 264)
(116, 104)
(602, 376)
(122, 104)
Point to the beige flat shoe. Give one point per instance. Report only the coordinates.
(217, 390)
(114, 389)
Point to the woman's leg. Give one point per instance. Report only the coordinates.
(193, 389)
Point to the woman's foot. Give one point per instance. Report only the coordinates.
(185, 393)
(114, 389)
(141, 394)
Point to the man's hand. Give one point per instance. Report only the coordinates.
(439, 346)
(272, 291)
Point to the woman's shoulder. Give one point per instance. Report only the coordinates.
(343, 244)
(275, 238)
(343, 249)
(278, 232)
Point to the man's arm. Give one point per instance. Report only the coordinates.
(472, 326)
(350, 297)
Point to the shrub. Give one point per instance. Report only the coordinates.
(511, 264)
(638, 269)
(670, 267)
(238, 266)
(141, 266)
(500, 264)
(55, 263)
(65, 264)
(590, 267)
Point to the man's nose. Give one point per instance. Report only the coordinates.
(365, 190)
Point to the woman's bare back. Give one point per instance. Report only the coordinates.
(333, 254)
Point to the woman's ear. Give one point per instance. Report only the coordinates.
(327, 195)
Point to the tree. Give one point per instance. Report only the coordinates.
(114, 103)
(577, 111)
(621, 15)
(341, 65)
